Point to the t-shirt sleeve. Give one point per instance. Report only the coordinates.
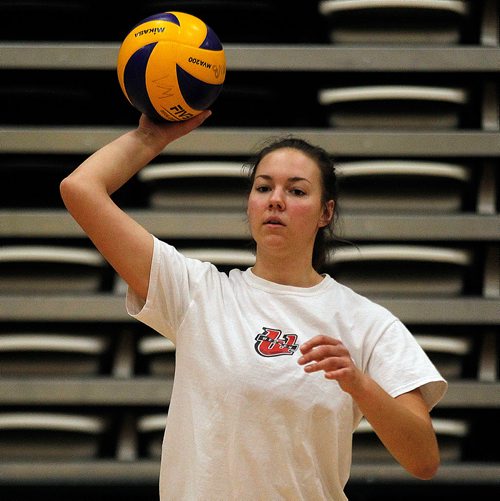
(399, 365)
(172, 284)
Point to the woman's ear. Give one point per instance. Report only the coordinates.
(327, 216)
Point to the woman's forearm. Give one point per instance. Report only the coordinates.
(115, 163)
(403, 425)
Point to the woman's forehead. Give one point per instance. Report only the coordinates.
(288, 162)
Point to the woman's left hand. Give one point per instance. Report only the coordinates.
(324, 353)
(403, 423)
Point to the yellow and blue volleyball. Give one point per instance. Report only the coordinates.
(171, 66)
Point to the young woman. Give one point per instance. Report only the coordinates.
(277, 364)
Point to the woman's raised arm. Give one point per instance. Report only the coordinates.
(86, 193)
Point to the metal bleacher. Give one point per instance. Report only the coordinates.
(406, 100)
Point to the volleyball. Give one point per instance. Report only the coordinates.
(171, 66)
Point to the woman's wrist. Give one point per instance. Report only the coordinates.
(359, 387)
(151, 140)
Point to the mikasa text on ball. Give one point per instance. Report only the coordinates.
(171, 66)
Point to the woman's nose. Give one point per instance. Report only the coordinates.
(277, 199)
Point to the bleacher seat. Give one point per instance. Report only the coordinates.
(394, 106)
(404, 186)
(29, 269)
(395, 21)
(401, 270)
(38, 435)
(51, 354)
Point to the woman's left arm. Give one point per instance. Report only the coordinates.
(403, 423)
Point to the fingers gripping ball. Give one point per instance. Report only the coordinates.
(171, 66)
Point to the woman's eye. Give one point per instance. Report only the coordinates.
(262, 189)
(298, 192)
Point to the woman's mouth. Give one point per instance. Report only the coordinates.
(274, 221)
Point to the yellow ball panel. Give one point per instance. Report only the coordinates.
(144, 34)
(161, 83)
(193, 31)
(206, 65)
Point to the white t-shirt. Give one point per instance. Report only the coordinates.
(245, 422)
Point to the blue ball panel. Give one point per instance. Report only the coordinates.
(162, 16)
(211, 41)
(197, 94)
(134, 79)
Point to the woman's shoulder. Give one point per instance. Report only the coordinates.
(188, 263)
(357, 304)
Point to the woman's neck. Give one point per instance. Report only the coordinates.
(294, 270)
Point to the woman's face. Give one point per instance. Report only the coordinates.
(285, 208)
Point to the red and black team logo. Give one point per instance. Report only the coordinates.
(270, 343)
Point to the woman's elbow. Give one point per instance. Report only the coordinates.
(77, 192)
(426, 468)
(67, 188)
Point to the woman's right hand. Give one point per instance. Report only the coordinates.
(159, 134)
